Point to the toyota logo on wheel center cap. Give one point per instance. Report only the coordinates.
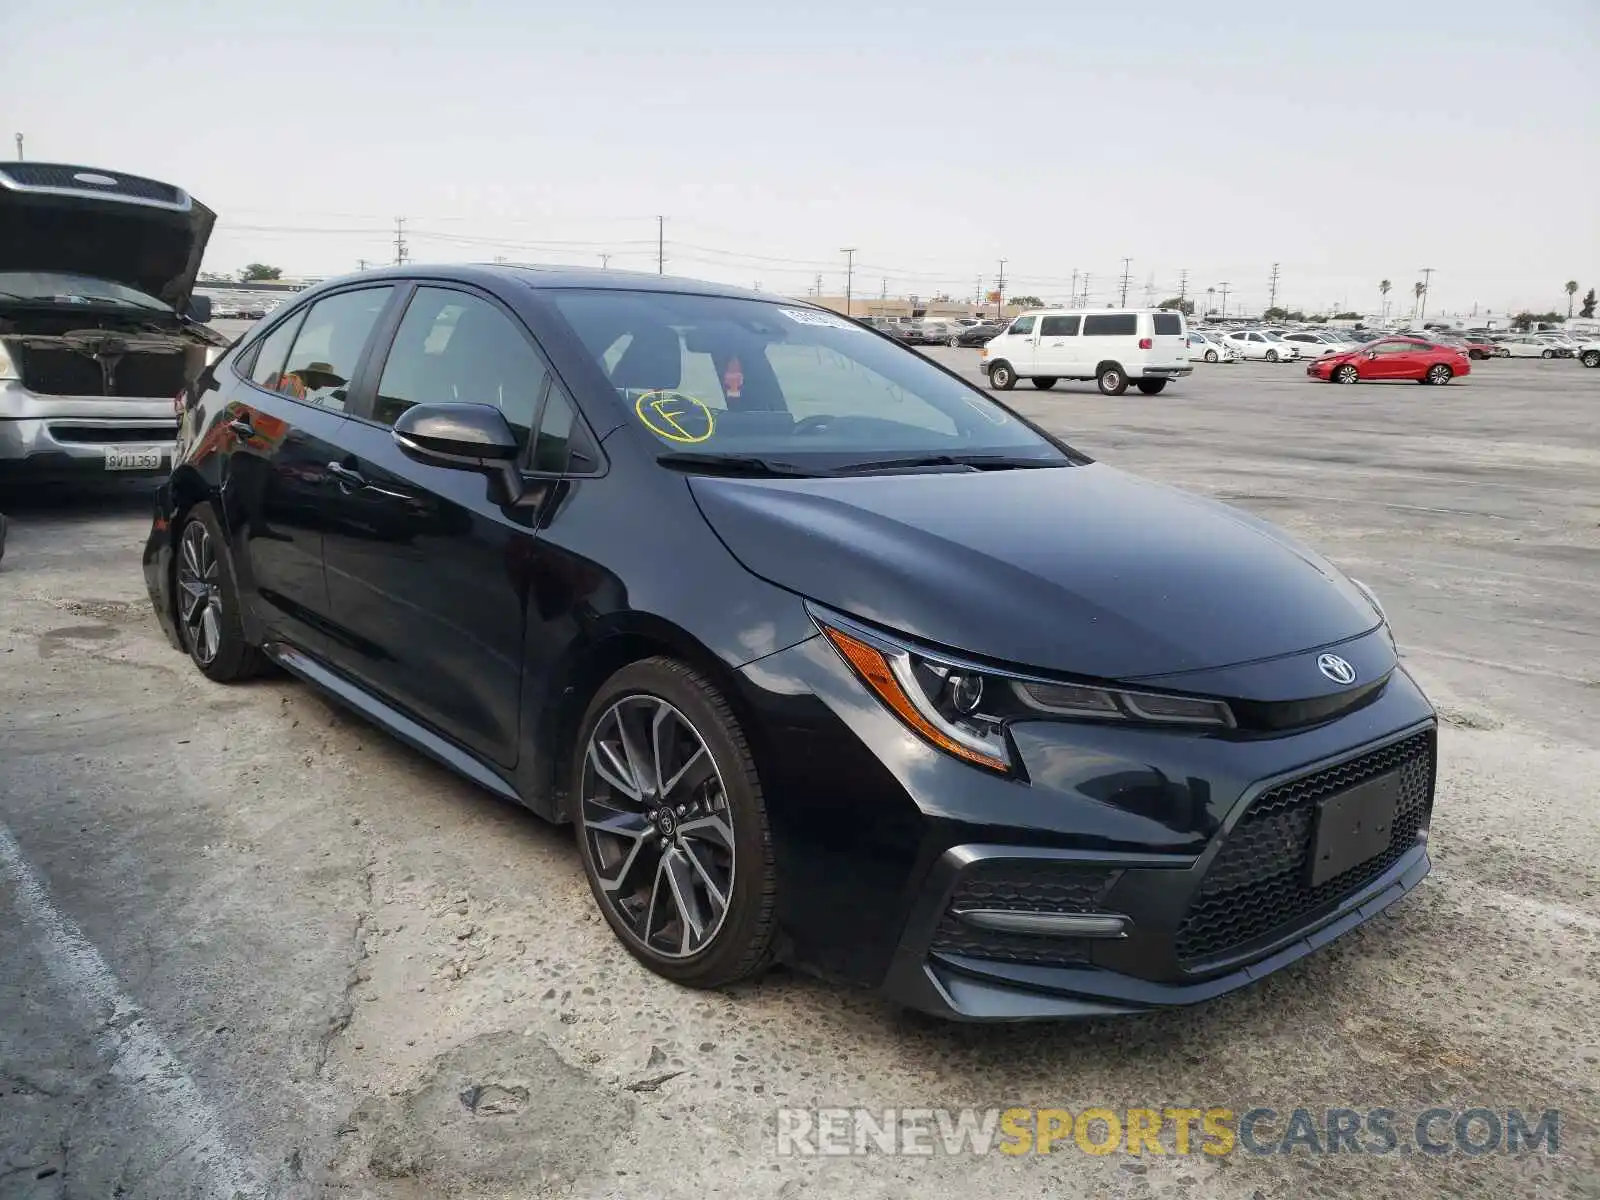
(1336, 668)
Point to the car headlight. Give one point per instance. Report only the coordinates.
(8, 369)
(964, 709)
(1372, 598)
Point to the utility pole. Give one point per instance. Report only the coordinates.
(1427, 282)
(1224, 286)
(361, 264)
(1149, 291)
(1074, 301)
(399, 241)
(884, 295)
(1272, 288)
(849, 253)
(1086, 289)
(977, 290)
(19, 147)
(1183, 284)
(816, 289)
(1000, 290)
(1127, 265)
(605, 262)
(661, 246)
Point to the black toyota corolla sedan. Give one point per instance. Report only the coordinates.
(826, 655)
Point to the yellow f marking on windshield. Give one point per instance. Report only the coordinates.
(675, 416)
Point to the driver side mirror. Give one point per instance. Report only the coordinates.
(200, 309)
(469, 437)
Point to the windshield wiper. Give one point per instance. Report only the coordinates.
(981, 462)
(732, 464)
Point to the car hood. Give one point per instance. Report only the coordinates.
(109, 225)
(1082, 570)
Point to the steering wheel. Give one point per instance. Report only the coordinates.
(809, 424)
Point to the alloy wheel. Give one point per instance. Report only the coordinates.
(200, 592)
(1347, 374)
(656, 826)
(1438, 373)
(1272, 356)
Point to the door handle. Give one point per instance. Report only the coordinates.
(241, 428)
(347, 476)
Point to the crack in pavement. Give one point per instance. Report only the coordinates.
(344, 1013)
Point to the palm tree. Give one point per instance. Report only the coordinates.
(1572, 290)
(1383, 290)
(1417, 289)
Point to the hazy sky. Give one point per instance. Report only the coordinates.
(1349, 142)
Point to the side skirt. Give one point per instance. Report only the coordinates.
(462, 762)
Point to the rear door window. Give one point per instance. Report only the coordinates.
(1168, 324)
(1111, 325)
(328, 346)
(1058, 327)
(273, 350)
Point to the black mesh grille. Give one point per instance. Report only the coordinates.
(1259, 881)
(1022, 885)
(55, 175)
(114, 434)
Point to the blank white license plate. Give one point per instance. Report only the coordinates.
(134, 458)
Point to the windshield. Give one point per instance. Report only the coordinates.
(721, 376)
(1270, 336)
(50, 287)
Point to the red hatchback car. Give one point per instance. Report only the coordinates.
(1392, 358)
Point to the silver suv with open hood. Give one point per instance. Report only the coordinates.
(99, 326)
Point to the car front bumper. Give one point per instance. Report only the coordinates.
(70, 435)
(889, 851)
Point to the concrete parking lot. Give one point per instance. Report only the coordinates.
(250, 945)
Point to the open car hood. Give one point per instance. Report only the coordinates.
(124, 228)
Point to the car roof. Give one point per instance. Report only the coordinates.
(554, 277)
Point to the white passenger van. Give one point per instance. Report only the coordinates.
(1114, 347)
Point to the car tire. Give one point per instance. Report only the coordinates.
(1151, 387)
(1347, 373)
(1590, 358)
(1548, 354)
(206, 592)
(1001, 377)
(1112, 381)
(1272, 356)
(621, 842)
(1043, 382)
(1439, 374)
(954, 343)
(1211, 356)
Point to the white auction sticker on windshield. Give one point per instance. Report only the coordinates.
(806, 316)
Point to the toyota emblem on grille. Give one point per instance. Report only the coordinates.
(1336, 668)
